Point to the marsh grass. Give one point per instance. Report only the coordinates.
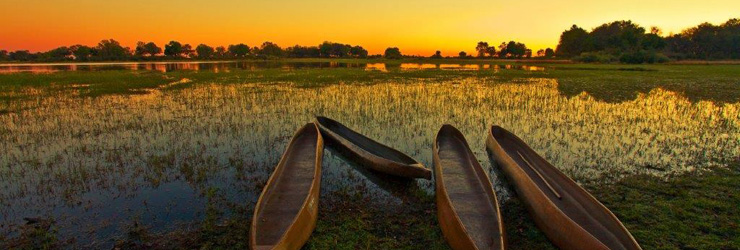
(604, 82)
(197, 147)
(690, 211)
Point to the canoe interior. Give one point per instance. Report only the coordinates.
(365, 143)
(467, 189)
(289, 190)
(574, 201)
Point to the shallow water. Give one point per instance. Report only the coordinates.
(94, 165)
(226, 66)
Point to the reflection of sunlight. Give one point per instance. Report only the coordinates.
(471, 66)
(450, 66)
(533, 68)
(226, 66)
(376, 66)
(236, 133)
(417, 66)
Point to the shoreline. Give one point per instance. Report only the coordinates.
(365, 60)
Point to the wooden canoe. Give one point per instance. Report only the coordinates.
(400, 187)
(286, 212)
(568, 215)
(368, 152)
(467, 207)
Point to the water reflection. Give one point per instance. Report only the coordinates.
(246, 65)
(94, 164)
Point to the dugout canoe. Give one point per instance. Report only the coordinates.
(287, 209)
(400, 187)
(568, 215)
(368, 152)
(467, 208)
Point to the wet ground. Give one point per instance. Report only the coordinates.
(165, 158)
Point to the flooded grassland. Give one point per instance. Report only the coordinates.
(189, 150)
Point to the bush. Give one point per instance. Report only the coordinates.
(642, 56)
(595, 57)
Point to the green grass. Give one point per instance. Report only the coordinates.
(349, 223)
(694, 211)
(609, 82)
(691, 211)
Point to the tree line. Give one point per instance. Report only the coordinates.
(622, 41)
(628, 42)
(112, 50)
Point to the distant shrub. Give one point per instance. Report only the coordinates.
(595, 57)
(642, 56)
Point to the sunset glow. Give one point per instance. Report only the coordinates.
(416, 27)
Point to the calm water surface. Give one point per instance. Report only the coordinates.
(97, 165)
(218, 66)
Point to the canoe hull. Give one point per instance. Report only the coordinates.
(304, 223)
(352, 151)
(560, 228)
(452, 226)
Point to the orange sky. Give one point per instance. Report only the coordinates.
(415, 26)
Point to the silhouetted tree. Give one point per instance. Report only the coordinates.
(173, 49)
(329, 49)
(437, 55)
(549, 53)
(270, 49)
(482, 49)
(81, 52)
(617, 36)
(204, 51)
(620, 39)
(462, 54)
(573, 42)
(111, 50)
(707, 41)
(302, 51)
(541, 53)
(358, 51)
(491, 51)
(144, 49)
(652, 42)
(139, 50)
(239, 50)
(21, 55)
(188, 51)
(513, 50)
(59, 54)
(221, 52)
(3, 55)
(393, 53)
(502, 51)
